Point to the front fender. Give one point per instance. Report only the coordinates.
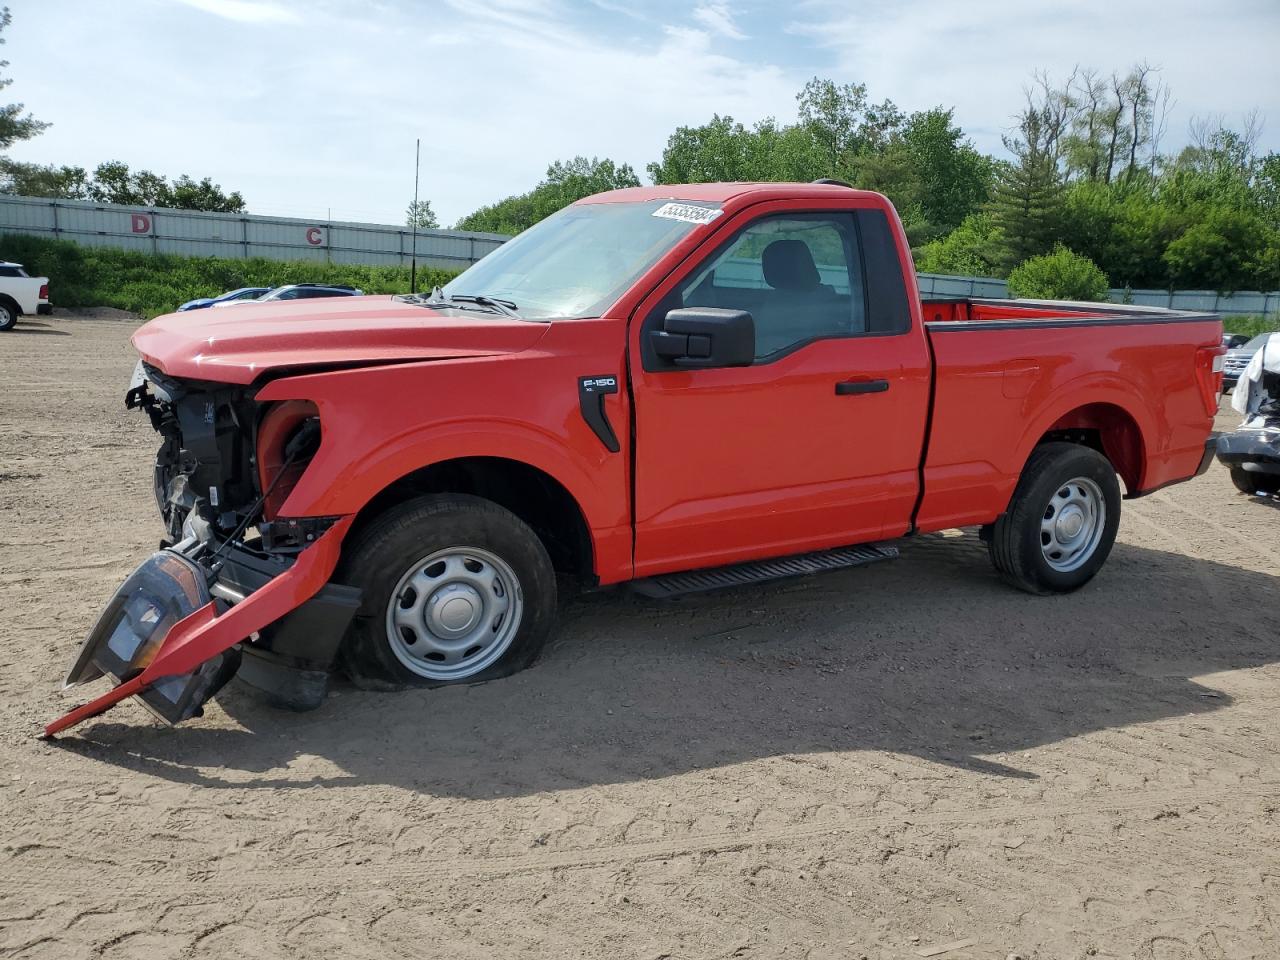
(346, 474)
(379, 425)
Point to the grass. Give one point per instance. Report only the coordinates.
(1250, 323)
(152, 284)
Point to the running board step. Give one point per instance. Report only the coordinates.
(698, 581)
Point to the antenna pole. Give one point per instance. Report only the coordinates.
(413, 260)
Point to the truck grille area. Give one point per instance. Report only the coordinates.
(205, 461)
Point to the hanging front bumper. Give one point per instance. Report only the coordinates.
(164, 638)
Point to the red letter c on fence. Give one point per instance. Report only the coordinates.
(315, 236)
(141, 223)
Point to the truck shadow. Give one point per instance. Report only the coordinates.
(930, 657)
(29, 326)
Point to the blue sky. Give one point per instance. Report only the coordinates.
(312, 106)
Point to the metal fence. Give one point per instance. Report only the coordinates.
(197, 234)
(1241, 302)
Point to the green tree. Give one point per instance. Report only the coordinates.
(34, 180)
(955, 179)
(419, 214)
(1026, 203)
(931, 173)
(1060, 275)
(114, 182)
(188, 194)
(843, 123)
(833, 114)
(720, 151)
(1266, 266)
(975, 249)
(577, 178)
(1225, 251)
(564, 183)
(14, 124)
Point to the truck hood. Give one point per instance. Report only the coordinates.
(239, 346)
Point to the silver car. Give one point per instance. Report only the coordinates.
(1238, 358)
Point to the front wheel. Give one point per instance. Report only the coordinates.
(1061, 523)
(8, 317)
(456, 589)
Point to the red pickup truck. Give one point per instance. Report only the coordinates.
(684, 387)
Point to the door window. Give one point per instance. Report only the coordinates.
(799, 276)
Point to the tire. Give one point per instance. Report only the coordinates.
(456, 590)
(1061, 523)
(1252, 483)
(8, 316)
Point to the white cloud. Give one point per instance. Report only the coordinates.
(244, 11)
(718, 18)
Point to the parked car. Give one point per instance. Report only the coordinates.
(676, 387)
(21, 294)
(1238, 358)
(1252, 451)
(300, 291)
(243, 293)
(1230, 340)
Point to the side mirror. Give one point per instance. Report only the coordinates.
(706, 337)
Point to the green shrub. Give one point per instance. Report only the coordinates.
(151, 284)
(1250, 324)
(1060, 275)
(970, 250)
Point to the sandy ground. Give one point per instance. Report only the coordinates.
(868, 763)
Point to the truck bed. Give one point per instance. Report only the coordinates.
(1007, 373)
(1004, 312)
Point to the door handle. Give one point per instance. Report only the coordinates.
(847, 387)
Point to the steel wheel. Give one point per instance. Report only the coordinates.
(1072, 524)
(454, 613)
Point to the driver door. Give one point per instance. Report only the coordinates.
(814, 445)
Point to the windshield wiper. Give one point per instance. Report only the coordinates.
(506, 307)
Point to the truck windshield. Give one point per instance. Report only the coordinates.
(577, 262)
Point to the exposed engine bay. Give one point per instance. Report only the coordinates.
(209, 479)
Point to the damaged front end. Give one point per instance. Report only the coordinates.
(234, 587)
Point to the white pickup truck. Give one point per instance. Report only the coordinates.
(21, 294)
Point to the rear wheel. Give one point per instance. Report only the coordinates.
(8, 316)
(1061, 522)
(456, 589)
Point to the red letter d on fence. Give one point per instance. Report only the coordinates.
(141, 223)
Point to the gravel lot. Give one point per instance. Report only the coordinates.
(873, 762)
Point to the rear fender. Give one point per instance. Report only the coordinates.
(1084, 404)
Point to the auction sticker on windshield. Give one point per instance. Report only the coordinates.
(687, 212)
